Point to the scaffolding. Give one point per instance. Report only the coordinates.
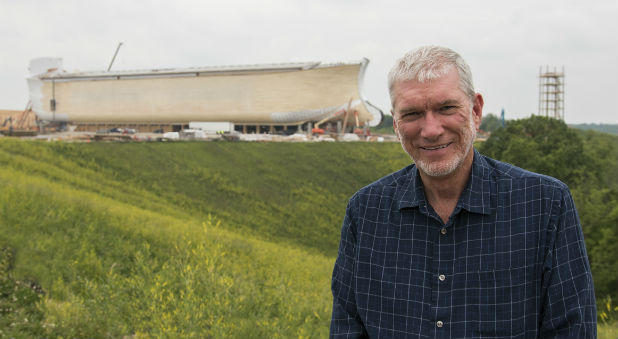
(551, 93)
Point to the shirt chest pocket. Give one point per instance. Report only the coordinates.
(501, 301)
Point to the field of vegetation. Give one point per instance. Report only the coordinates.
(175, 239)
(222, 240)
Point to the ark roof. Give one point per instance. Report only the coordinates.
(190, 71)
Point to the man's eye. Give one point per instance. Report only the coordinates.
(410, 115)
(448, 109)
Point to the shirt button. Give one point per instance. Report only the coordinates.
(442, 277)
(439, 323)
(443, 231)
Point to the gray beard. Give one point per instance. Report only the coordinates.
(441, 169)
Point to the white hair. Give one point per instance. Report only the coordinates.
(430, 62)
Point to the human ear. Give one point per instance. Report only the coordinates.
(477, 109)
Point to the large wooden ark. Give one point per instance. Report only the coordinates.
(280, 95)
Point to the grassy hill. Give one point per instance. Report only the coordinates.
(190, 239)
(175, 240)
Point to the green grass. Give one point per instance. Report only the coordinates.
(175, 240)
(187, 239)
(268, 189)
(607, 331)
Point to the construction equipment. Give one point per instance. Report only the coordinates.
(24, 124)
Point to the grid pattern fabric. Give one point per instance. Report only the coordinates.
(509, 263)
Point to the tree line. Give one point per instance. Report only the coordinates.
(587, 161)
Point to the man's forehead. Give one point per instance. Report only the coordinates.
(436, 97)
(430, 92)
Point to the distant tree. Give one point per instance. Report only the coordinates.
(541, 145)
(602, 152)
(490, 123)
(597, 202)
(605, 128)
(587, 161)
(598, 213)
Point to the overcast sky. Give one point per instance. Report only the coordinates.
(505, 42)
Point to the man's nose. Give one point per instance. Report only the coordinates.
(432, 126)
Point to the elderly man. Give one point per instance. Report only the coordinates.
(458, 245)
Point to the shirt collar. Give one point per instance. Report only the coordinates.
(476, 196)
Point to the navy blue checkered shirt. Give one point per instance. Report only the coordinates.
(509, 263)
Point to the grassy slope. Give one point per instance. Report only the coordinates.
(120, 239)
(293, 193)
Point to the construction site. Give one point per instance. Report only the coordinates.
(294, 101)
(270, 102)
(19, 123)
(551, 93)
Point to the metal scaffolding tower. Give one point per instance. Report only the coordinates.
(551, 93)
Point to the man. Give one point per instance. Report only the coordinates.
(458, 245)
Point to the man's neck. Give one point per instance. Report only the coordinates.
(443, 192)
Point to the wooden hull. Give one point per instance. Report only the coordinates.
(290, 94)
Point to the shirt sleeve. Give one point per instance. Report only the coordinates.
(345, 321)
(569, 306)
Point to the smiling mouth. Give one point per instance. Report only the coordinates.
(436, 147)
